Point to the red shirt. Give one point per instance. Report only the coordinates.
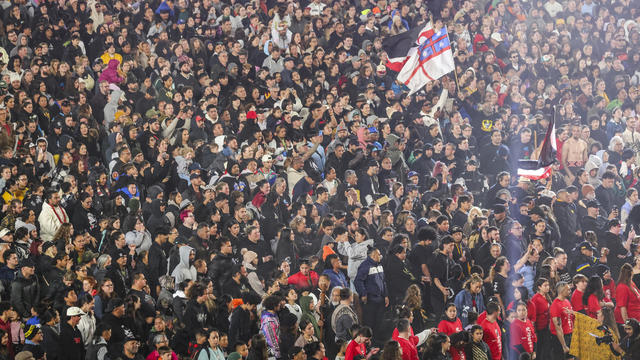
(593, 305)
(301, 282)
(540, 317)
(629, 298)
(354, 349)
(409, 348)
(576, 300)
(523, 333)
(609, 291)
(452, 327)
(493, 338)
(557, 309)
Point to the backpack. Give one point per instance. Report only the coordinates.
(196, 354)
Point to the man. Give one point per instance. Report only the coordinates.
(461, 215)
(185, 269)
(33, 341)
(118, 272)
(52, 216)
(561, 265)
(157, 260)
(407, 342)
(147, 304)
(492, 331)
(254, 243)
(334, 271)
(130, 350)
(574, 153)
(561, 313)
(344, 317)
(241, 328)
(593, 221)
(25, 290)
(580, 284)
(440, 273)
(567, 219)
(270, 324)
(370, 285)
(605, 193)
(619, 250)
(10, 269)
(221, 265)
(70, 335)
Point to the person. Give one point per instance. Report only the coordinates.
(627, 296)
(305, 278)
(212, 349)
(522, 335)
(344, 317)
(470, 299)
(492, 334)
(407, 343)
(397, 275)
(593, 298)
(392, 351)
(270, 324)
(580, 285)
(52, 216)
(371, 286)
(539, 304)
(477, 349)
(357, 346)
(70, 335)
(449, 325)
(561, 326)
(97, 350)
(630, 342)
(130, 349)
(438, 347)
(440, 274)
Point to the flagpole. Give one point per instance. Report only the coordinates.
(455, 70)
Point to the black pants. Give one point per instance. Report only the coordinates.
(556, 348)
(437, 301)
(543, 346)
(372, 316)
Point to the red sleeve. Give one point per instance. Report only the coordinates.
(314, 278)
(516, 334)
(351, 351)
(531, 311)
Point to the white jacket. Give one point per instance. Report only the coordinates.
(357, 253)
(50, 220)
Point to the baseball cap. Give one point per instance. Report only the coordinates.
(585, 245)
(74, 311)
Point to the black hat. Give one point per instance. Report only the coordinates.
(536, 211)
(28, 263)
(456, 229)
(46, 245)
(585, 245)
(612, 223)
(602, 269)
(113, 304)
(592, 204)
(499, 209)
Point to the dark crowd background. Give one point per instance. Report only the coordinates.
(239, 180)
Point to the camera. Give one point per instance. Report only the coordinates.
(607, 338)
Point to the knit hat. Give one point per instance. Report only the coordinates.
(31, 331)
(249, 256)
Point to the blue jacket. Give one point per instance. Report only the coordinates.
(369, 280)
(336, 279)
(464, 304)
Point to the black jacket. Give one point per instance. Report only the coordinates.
(398, 277)
(25, 294)
(240, 327)
(51, 342)
(71, 342)
(220, 271)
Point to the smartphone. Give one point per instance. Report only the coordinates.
(320, 133)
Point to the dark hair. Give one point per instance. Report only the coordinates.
(403, 325)
(271, 302)
(594, 286)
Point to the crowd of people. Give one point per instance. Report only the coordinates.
(247, 180)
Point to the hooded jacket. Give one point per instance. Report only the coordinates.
(110, 74)
(157, 220)
(25, 294)
(184, 270)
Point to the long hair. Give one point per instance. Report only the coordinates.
(391, 351)
(413, 297)
(539, 284)
(594, 286)
(626, 272)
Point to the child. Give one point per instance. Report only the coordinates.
(523, 334)
(449, 325)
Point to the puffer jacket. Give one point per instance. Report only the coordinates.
(370, 282)
(157, 220)
(25, 294)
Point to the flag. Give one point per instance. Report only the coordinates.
(541, 168)
(431, 60)
(400, 47)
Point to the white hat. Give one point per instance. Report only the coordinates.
(4, 232)
(496, 36)
(266, 157)
(524, 179)
(74, 311)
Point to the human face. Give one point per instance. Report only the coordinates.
(214, 339)
(475, 287)
(451, 312)
(544, 288)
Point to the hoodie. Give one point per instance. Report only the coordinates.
(184, 270)
(110, 74)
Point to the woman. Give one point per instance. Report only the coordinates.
(307, 334)
(291, 305)
(629, 344)
(438, 347)
(470, 298)
(105, 293)
(307, 304)
(449, 325)
(133, 316)
(477, 349)
(593, 298)
(212, 349)
(627, 297)
(357, 346)
(392, 351)
(287, 249)
(258, 349)
(413, 300)
(538, 309)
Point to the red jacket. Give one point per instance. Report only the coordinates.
(541, 316)
(301, 282)
(409, 348)
(493, 338)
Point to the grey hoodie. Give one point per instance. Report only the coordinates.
(184, 270)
